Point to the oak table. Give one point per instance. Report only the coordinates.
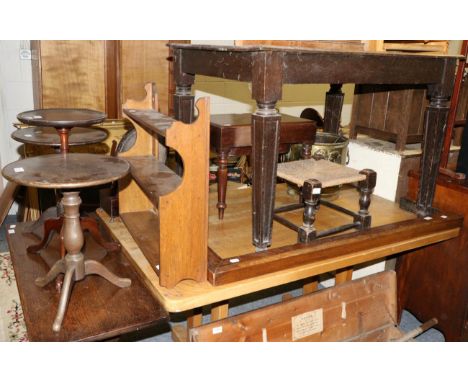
(230, 134)
(268, 68)
(70, 171)
(98, 310)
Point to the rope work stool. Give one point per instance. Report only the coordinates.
(313, 175)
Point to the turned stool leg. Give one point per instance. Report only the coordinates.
(222, 184)
(366, 188)
(311, 195)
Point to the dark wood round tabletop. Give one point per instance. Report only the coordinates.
(47, 136)
(61, 118)
(66, 170)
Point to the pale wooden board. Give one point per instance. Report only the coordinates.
(328, 173)
(342, 313)
(236, 227)
(190, 294)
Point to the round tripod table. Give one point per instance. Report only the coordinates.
(70, 171)
(47, 136)
(62, 120)
(61, 128)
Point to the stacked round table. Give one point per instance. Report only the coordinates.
(69, 172)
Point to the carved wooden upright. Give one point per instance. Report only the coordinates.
(168, 214)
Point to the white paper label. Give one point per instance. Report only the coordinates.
(427, 218)
(19, 169)
(13, 226)
(316, 191)
(218, 330)
(10, 231)
(306, 324)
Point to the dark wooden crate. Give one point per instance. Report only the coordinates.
(391, 113)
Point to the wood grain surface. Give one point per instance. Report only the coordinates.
(342, 313)
(97, 310)
(72, 74)
(66, 170)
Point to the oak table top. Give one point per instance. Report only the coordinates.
(97, 310)
(62, 118)
(47, 136)
(66, 171)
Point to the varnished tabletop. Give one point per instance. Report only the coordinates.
(97, 310)
(62, 118)
(237, 120)
(47, 136)
(66, 170)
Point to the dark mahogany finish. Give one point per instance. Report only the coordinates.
(47, 136)
(268, 68)
(231, 134)
(97, 311)
(62, 120)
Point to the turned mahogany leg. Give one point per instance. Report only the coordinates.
(311, 195)
(222, 184)
(50, 226)
(63, 134)
(435, 120)
(366, 188)
(333, 106)
(91, 225)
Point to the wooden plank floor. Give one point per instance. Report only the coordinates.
(236, 227)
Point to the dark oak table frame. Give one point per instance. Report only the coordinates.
(268, 68)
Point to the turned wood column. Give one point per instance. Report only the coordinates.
(222, 183)
(435, 122)
(333, 107)
(266, 90)
(184, 101)
(311, 191)
(64, 135)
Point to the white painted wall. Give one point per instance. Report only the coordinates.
(16, 95)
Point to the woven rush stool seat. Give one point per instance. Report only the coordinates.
(312, 175)
(328, 173)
